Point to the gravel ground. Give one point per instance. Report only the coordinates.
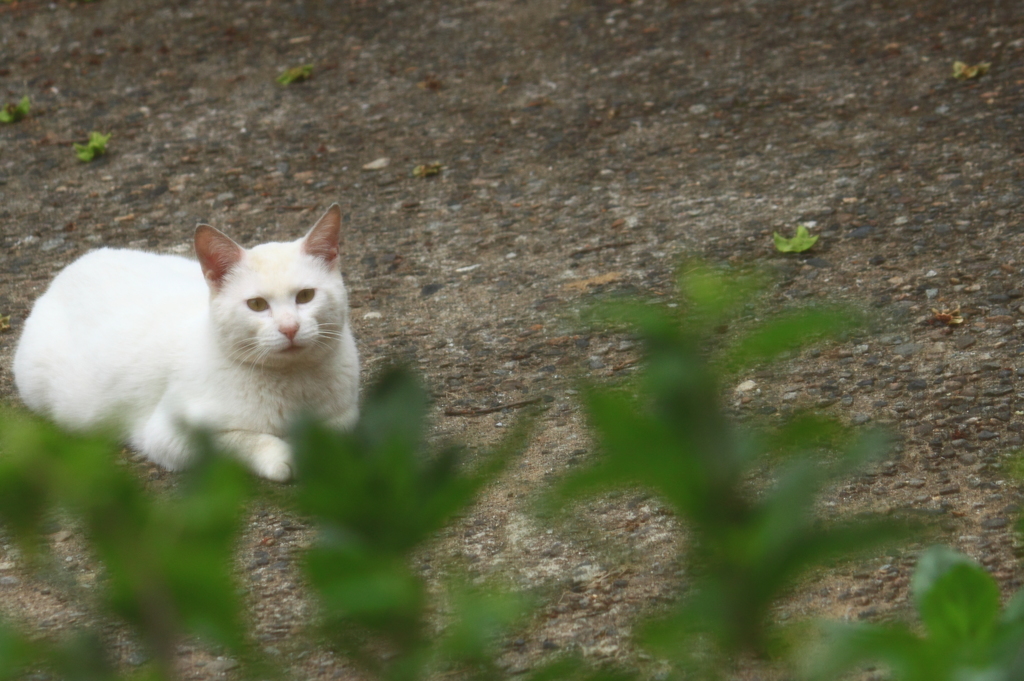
(586, 147)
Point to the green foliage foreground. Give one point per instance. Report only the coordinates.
(377, 494)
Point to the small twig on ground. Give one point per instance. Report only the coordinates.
(491, 410)
(623, 365)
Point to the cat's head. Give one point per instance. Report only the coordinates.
(276, 304)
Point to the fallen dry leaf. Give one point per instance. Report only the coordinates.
(947, 317)
(583, 284)
(431, 83)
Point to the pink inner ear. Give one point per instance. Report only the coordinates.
(217, 254)
(322, 240)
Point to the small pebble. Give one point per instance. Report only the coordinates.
(964, 342)
(907, 349)
(222, 664)
(430, 289)
(137, 658)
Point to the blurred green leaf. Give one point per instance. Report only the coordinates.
(378, 482)
(713, 296)
(96, 146)
(957, 599)
(966, 638)
(16, 653)
(296, 74)
(80, 657)
(480, 618)
(360, 587)
(964, 71)
(806, 431)
(788, 332)
(12, 113)
(427, 170)
(799, 243)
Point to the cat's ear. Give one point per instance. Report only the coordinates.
(322, 240)
(217, 254)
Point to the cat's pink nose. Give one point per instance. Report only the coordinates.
(290, 330)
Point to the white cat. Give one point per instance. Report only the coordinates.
(158, 345)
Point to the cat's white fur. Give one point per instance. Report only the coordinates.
(159, 345)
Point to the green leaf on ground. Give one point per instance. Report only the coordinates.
(12, 113)
(96, 146)
(798, 244)
(427, 170)
(963, 71)
(296, 74)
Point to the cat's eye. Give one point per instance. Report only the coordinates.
(257, 304)
(305, 295)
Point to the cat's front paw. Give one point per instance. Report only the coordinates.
(273, 460)
(279, 471)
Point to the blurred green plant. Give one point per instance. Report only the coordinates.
(965, 637)
(296, 74)
(377, 494)
(746, 546)
(166, 561)
(12, 113)
(96, 146)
